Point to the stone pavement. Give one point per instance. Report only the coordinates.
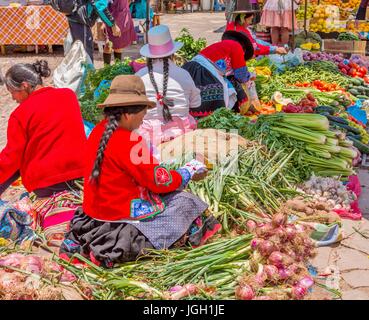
(348, 260)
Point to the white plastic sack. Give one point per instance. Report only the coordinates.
(68, 41)
(71, 72)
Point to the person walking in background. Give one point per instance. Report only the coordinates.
(122, 15)
(277, 15)
(82, 15)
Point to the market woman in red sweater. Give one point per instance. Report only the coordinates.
(219, 71)
(132, 203)
(45, 143)
(241, 23)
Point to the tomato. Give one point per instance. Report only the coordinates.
(366, 79)
(343, 71)
(350, 64)
(363, 70)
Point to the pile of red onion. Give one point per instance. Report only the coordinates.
(280, 251)
(36, 265)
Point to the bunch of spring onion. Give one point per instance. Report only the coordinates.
(318, 149)
(209, 272)
(252, 185)
(280, 251)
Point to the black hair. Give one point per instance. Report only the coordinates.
(238, 17)
(243, 40)
(31, 73)
(113, 115)
(164, 100)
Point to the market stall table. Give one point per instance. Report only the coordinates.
(32, 25)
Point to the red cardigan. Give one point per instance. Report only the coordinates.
(45, 140)
(127, 188)
(259, 49)
(228, 56)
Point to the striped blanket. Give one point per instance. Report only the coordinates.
(54, 213)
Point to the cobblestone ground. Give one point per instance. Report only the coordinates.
(349, 259)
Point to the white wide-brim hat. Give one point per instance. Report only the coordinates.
(160, 43)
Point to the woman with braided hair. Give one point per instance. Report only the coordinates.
(131, 203)
(45, 145)
(169, 86)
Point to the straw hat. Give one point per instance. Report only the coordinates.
(127, 90)
(160, 43)
(242, 6)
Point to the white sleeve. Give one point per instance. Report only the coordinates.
(195, 97)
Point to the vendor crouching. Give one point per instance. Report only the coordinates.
(131, 203)
(45, 143)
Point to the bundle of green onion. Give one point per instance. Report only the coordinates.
(319, 150)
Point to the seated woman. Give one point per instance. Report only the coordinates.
(169, 86)
(219, 71)
(45, 145)
(131, 203)
(241, 23)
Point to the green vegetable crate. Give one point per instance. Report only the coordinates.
(352, 47)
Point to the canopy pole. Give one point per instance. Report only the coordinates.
(305, 17)
(293, 25)
(147, 20)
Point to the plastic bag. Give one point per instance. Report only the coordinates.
(68, 41)
(291, 59)
(73, 69)
(88, 127)
(104, 85)
(357, 112)
(252, 98)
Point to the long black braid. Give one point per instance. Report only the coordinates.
(113, 115)
(164, 100)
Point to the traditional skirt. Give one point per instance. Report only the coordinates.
(107, 243)
(278, 13)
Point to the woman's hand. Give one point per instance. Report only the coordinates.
(281, 50)
(116, 31)
(200, 175)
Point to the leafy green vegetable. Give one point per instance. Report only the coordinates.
(90, 111)
(225, 119)
(191, 47)
(347, 36)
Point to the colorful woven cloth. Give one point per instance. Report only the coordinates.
(32, 25)
(16, 219)
(54, 213)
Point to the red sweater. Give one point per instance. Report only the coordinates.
(45, 139)
(228, 56)
(127, 187)
(259, 49)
